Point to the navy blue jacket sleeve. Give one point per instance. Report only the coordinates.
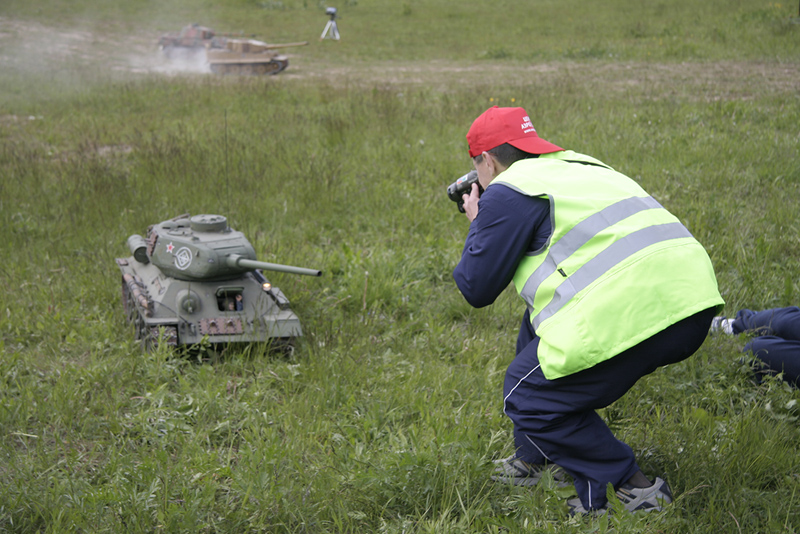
(509, 224)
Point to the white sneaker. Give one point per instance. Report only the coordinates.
(722, 324)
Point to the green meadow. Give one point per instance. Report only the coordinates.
(388, 415)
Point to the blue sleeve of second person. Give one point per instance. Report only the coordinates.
(509, 224)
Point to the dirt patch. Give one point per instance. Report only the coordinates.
(708, 81)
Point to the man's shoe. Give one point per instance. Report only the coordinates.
(650, 499)
(653, 498)
(722, 324)
(513, 470)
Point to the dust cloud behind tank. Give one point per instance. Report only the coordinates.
(192, 278)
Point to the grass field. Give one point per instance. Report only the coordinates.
(388, 415)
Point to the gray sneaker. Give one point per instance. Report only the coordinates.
(513, 470)
(651, 499)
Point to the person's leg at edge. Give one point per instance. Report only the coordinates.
(554, 420)
(781, 322)
(776, 355)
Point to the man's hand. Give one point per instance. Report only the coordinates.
(471, 203)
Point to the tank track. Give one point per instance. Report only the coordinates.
(273, 66)
(152, 336)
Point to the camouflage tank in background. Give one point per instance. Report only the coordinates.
(194, 278)
(225, 53)
(248, 56)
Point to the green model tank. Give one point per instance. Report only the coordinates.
(195, 278)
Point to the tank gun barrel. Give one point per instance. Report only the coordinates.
(273, 46)
(235, 260)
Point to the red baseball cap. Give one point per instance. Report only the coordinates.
(496, 126)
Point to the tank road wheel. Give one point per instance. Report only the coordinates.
(277, 65)
(282, 345)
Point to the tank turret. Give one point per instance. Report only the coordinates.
(202, 247)
(192, 277)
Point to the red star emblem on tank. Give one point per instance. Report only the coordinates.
(170, 246)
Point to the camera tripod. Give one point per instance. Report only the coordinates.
(331, 30)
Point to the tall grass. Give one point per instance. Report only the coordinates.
(388, 415)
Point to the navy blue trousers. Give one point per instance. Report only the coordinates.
(777, 346)
(555, 420)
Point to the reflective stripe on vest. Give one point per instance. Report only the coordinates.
(599, 265)
(579, 236)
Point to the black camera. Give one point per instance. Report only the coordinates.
(463, 186)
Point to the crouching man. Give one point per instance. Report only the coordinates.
(614, 287)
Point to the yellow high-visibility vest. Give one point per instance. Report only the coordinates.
(618, 267)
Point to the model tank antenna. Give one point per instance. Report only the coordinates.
(227, 175)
